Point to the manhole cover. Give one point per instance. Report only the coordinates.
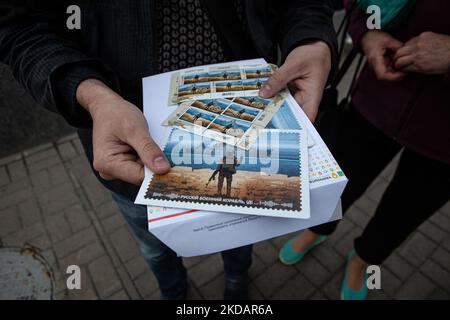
(24, 275)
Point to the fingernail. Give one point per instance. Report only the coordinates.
(265, 91)
(161, 163)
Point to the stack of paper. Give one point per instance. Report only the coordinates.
(243, 159)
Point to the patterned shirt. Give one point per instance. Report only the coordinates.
(185, 35)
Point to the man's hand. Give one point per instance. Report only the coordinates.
(428, 53)
(305, 71)
(121, 140)
(379, 48)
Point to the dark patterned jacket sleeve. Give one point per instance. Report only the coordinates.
(49, 67)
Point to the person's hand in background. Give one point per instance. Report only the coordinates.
(121, 140)
(305, 72)
(379, 49)
(428, 53)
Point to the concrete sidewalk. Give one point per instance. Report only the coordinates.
(50, 199)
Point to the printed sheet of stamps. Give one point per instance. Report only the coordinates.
(234, 121)
(270, 179)
(219, 82)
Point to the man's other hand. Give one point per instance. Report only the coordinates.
(121, 140)
(305, 72)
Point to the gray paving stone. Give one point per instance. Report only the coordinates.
(398, 266)
(254, 293)
(297, 288)
(4, 177)
(41, 242)
(78, 146)
(431, 231)
(15, 186)
(39, 151)
(146, 284)
(104, 277)
(112, 223)
(58, 228)
(332, 288)
(445, 210)
(29, 212)
(77, 217)
(441, 221)
(257, 267)
(124, 243)
(10, 158)
(389, 282)
(83, 255)
(345, 245)
(417, 287)
(266, 252)
(192, 292)
(41, 181)
(107, 209)
(43, 164)
(357, 216)
(367, 205)
(21, 237)
(136, 267)
(17, 170)
(40, 154)
(67, 150)
(10, 222)
(213, 290)
(446, 243)
(76, 241)
(344, 227)
(318, 295)
(313, 270)
(328, 257)
(273, 278)
(204, 272)
(442, 257)
(192, 261)
(67, 138)
(375, 192)
(417, 249)
(119, 295)
(128, 285)
(58, 175)
(15, 198)
(63, 197)
(440, 276)
(95, 192)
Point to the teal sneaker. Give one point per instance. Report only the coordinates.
(350, 294)
(289, 256)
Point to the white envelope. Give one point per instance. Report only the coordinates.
(191, 233)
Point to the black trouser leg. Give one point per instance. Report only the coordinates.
(229, 181)
(220, 184)
(363, 152)
(419, 188)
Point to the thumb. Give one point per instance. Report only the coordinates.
(277, 81)
(149, 153)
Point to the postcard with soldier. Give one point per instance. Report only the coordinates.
(269, 179)
(234, 121)
(218, 82)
